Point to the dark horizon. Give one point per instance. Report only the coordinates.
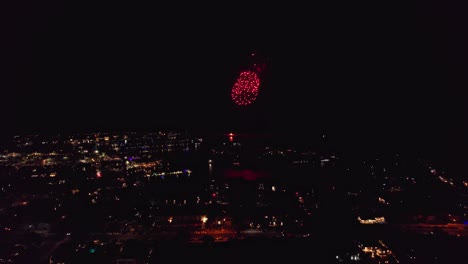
(369, 74)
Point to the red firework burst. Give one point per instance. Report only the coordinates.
(245, 90)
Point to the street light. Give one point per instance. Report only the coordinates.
(204, 219)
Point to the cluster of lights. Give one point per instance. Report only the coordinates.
(160, 174)
(245, 90)
(376, 220)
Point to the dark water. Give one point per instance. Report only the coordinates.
(447, 157)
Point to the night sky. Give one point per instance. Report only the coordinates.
(363, 72)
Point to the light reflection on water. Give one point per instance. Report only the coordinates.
(246, 174)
